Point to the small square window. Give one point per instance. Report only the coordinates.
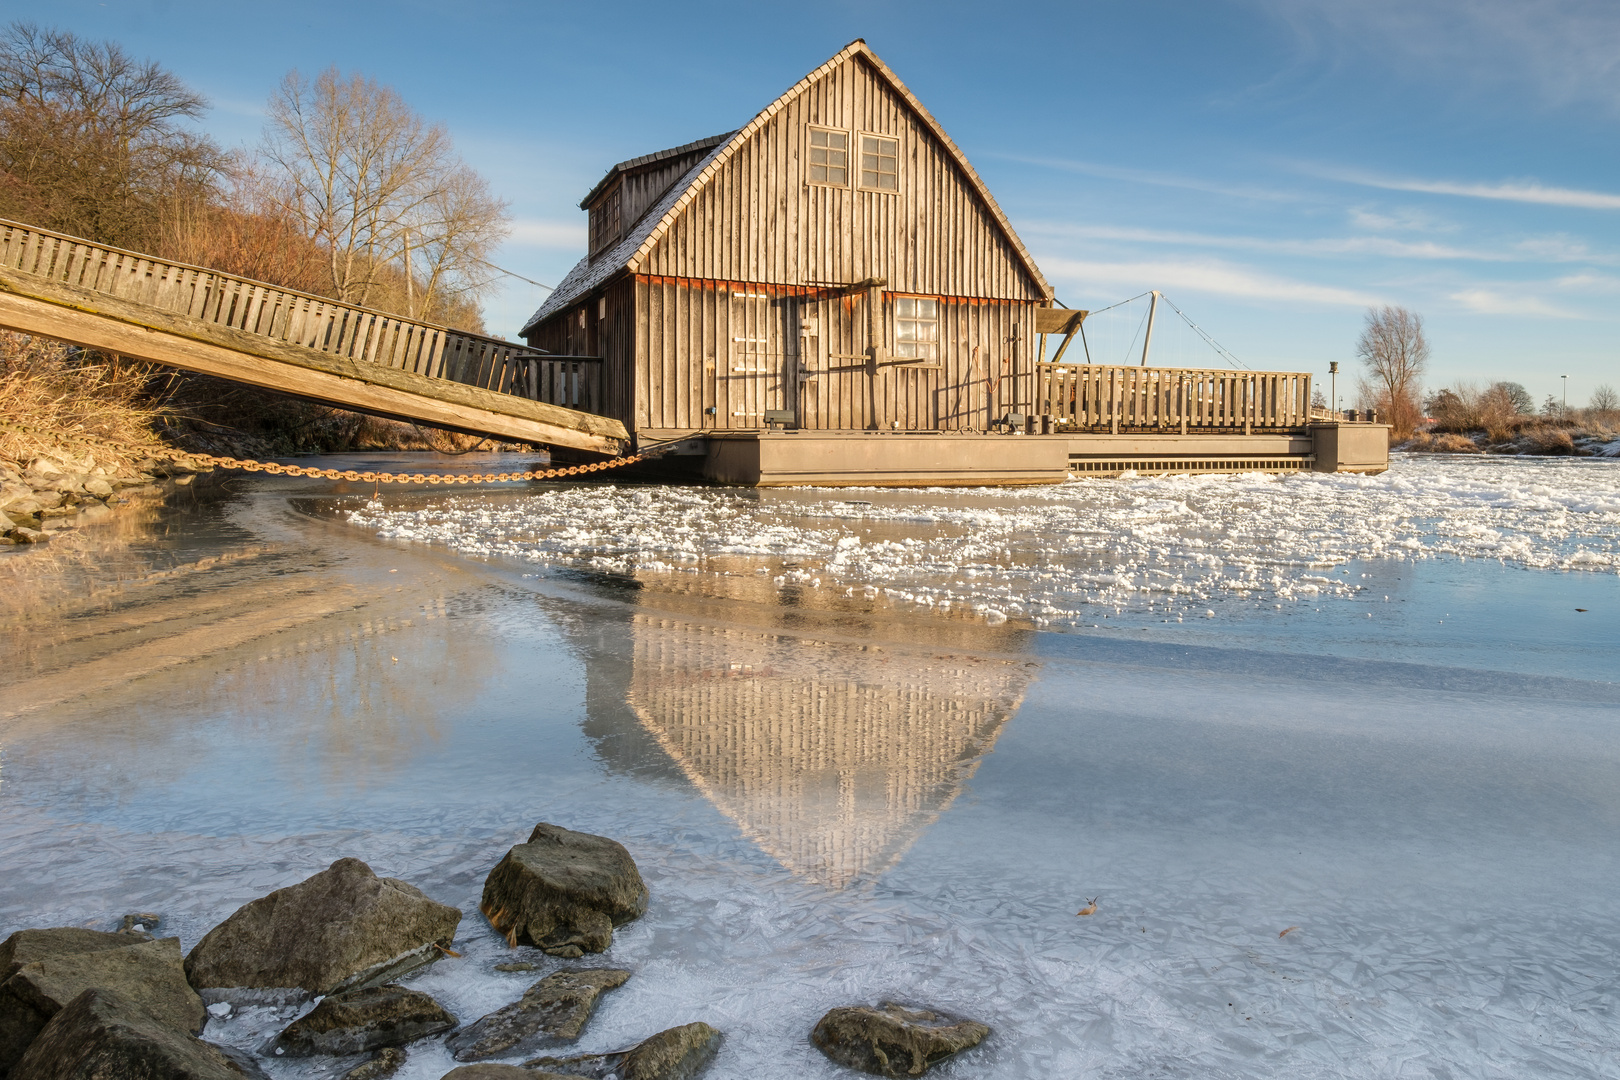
(829, 157)
(880, 163)
(916, 328)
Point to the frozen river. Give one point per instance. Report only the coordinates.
(872, 744)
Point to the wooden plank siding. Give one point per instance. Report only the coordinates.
(752, 298)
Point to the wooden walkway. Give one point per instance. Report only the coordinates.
(202, 320)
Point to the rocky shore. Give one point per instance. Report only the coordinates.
(332, 953)
(56, 489)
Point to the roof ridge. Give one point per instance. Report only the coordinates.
(657, 155)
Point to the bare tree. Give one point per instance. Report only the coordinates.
(1604, 399)
(1395, 352)
(381, 191)
(94, 142)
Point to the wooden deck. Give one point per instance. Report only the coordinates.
(201, 320)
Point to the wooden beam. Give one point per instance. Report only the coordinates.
(95, 320)
(1058, 320)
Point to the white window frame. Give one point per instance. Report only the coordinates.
(809, 153)
(921, 314)
(861, 170)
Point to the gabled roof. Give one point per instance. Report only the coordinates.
(640, 240)
(652, 159)
(589, 273)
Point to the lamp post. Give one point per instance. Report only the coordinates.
(1566, 391)
(1333, 393)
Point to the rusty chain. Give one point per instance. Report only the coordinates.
(366, 476)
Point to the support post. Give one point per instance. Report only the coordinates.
(1153, 310)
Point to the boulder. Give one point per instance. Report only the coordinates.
(494, 1072)
(104, 1035)
(24, 535)
(563, 892)
(551, 1012)
(98, 487)
(27, 946)
(343, 929)
(149, 974)
(679, 1053)
(892, 1040)
(383, 1064)
(359, 1021)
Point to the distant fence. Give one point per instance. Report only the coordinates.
(295, 318)
(1098, 398)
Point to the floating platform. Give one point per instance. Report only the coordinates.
(959, 459)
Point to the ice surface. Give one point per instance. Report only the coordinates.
(1066, 555)
(834, 799)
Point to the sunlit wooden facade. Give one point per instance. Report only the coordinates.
(836, 264)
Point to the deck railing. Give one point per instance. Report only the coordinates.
(295, 318)
(574, 382)
(1098, 398)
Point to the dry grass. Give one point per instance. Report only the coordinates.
(1441, 443)
(94, 404)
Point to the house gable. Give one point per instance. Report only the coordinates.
(753, 214)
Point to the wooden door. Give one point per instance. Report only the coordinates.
(762, 371)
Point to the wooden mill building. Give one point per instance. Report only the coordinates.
(831, 294)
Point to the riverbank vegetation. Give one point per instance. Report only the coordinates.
(1500, 418)
(351, 195)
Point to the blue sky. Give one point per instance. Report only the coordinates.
(1274, 166)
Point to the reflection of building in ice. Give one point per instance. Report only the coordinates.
(833, 758)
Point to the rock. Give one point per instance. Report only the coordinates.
(149, 973)
(551, 1012)
(104, 1035)
(493, 1072)
(680, 1053)
(13, 492)
(892, 1040)
(563, 892)
(363, 1020)
(520, 965)
(343, 929)
(141, 922)
(27, 946)
(98, 487)
(383, 1064)
(24, 535)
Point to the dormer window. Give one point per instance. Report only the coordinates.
(607, 224)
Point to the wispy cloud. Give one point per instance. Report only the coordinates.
(1561, 51)
(1154, 179)
(1319, 247)
(1496, 302)
(541, 233)
(1544, 249)
(1203, 276)
(1523, 191)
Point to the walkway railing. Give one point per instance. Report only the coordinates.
(1098, 398)
(296, 318)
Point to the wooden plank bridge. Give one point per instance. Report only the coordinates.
(308, 346)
